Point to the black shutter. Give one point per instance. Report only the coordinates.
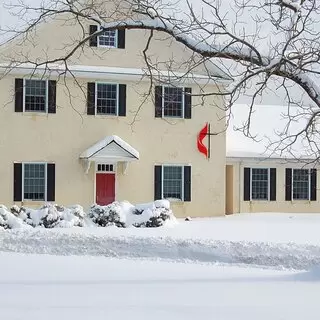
(288, 184)
(17, 182)
(246, 184)
(91, 99)
(187, 183)
(273, 184)
(121, 39)
(158, 102)
(187, 103)
(122, 100)
(157, 182)
(313, 191)
(52, 96)
(93, 42)
(51, 181)
(18, 95)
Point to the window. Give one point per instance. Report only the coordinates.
(34, 181)
(105, 167)
(259, 184)
(172, 182)
(35, 95)
(173, 102)
(300, 184)
(107, 98)
(108, 39)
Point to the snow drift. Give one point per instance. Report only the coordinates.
(70, 242)
(120, 214)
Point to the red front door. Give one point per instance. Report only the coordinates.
(105, 188)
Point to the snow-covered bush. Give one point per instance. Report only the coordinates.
(51, 216)
(121, 214)
(8, 220)
(124, 214)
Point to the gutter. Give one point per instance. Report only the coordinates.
(134, 74)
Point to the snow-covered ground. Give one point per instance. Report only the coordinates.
(244, 267)
(37, 287)
(276, 240)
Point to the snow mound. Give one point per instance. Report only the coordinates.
(124, 214)
(80, 242)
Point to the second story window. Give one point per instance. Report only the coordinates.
(35, 95)
(173, 102)
(107, 98)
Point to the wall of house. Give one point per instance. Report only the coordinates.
(280, 205)
(56, 38)
(63, 136)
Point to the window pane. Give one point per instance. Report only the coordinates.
(260, 184)
(300, 184)
(34, 181)
(172, 182)
(35, 95)
(107, 95)
(108, 39)
(173, 102)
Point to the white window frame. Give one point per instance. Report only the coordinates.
(309, 185)
(45, 181)
(268, 199)
(182, 181)
(24, 97)
(183, 103)
(96, 99)
(115, 40)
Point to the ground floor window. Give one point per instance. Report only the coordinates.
(301, 184)
(260, 184)
(34, 181)
(173, 182)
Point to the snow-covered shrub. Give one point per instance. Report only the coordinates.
(51, 216)
(121, 214)
(105, 216)
(124, 214)
(8, 220)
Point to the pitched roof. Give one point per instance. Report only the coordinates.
(267, 122)
(110, 148)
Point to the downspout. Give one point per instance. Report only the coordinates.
(239, 187)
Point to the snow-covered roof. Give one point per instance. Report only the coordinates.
(266, 123)
(111, 148)
(101, 72)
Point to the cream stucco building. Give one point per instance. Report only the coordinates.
(100, 132)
